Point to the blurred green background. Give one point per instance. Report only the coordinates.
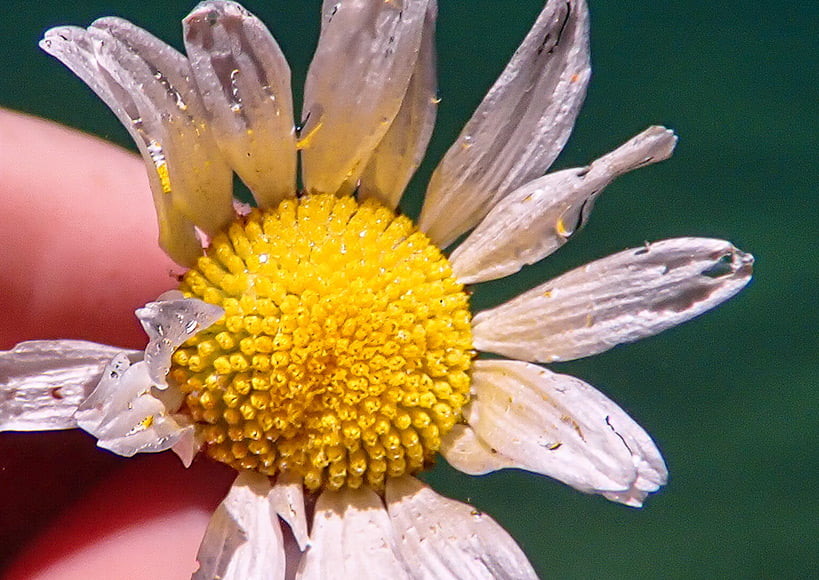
(730, 398)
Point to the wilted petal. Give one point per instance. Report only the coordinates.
(243, 540)
(560, 426)
(169, 322)
(127, 416)
(355, 86)
(287, 501)
(466, 452)
(622, 298)
(42, 382)
(519, 128)
(401, 150)
(352, 538)
(244, 81)
(149, 87)
(536, 219)
(446, 539)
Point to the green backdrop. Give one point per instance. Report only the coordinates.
(730, 398)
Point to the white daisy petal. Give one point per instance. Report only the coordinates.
(536, 219)
(287, 501)
(244, 81)
(519, 128)
(148, 86)
(621, 298)
(559, 426)
(161, 83)
(466, 452)
(74, 48)
(446, 539)
(355, 86)
(169, 322)
(243, 540)
(401, 150)
(42, 382)
(352, 538)
(127, 417)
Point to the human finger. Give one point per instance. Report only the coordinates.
(144, 521)
(78, 234)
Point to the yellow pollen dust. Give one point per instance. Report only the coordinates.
(344, 352)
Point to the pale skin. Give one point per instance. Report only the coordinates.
(79, 254)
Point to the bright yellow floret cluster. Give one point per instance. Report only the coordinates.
(345, 348)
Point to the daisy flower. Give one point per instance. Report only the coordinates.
(321, 343)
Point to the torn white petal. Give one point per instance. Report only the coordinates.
(149, 87)
(352, 538)
(125, 415)
(536, 219)
(188, 443)
(621, 298)
(42, 382)
(169, 322)
(402, 149)
(559, 426)
(243, 540)
(287, 501)
(244, 81)
(518, 129)
(355, 86)
(464, 450)
(448, 540)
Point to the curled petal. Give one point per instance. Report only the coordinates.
(287, 501)
(536, 219)
(42, 382)
(243, 540)
(449, 540)
(466, 452)
(621, 298)
(402, 149)
(244, 81)
(169, 322)
(559, 426)
(518, 129)
(148, 85)
(352, 538)
(355, 86)
(128, 416)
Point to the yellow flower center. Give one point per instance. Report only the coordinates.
(344, 351)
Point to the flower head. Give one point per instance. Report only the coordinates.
(321, 343)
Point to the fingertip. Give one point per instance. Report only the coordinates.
(78, 233)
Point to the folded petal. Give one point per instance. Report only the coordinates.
(355, 86)
(622, 298)
(42, 382)
(244, 81)
(169, 322)
(401, 150)
(149, 86)
(536, 219)
(352, 538)
(446, 539)
(466, 452)
(518, 129)
(559, 426)
(243, 540)
(287, 501)
(128, 415)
